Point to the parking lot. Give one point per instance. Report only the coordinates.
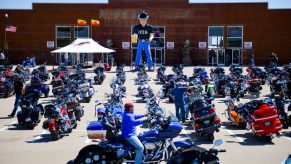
(19, 145)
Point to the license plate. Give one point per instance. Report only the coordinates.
(207, 122)
(70, 110)
(27, 119)
(59, 90)
(267, 123)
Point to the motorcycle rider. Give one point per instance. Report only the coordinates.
(128, 128)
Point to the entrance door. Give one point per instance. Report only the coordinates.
(220, 57)
(236, 56)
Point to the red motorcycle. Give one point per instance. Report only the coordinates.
(58, 122)
(262, 118)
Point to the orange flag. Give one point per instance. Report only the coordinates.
(81, 22)
(95, 22)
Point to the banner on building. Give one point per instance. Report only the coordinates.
(170, 45)
(50, 44)
(81, 22)
(202, 45)
(248, 45)
(95, 22)
(125, 45)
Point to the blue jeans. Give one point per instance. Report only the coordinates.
(146, 46)
(16, 104)
(178, 114)
(135, 142)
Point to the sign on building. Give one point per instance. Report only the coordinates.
(50, 44)
(248, 45)
(202, 45)
(125, 45)
(170, 45)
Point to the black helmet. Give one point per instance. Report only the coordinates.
(143, 15)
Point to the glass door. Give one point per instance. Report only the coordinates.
(220, 57)
(236, 56)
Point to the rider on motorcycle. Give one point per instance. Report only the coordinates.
(129, 122)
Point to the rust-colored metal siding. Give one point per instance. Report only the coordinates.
(269, 30)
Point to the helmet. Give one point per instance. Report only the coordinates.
(143, 15)
(128, 105)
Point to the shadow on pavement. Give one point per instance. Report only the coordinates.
(230, 126)
(18, 127)
(3, 118)
(252, 140)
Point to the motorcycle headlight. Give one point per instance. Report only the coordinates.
(88, 160)
(96, 157)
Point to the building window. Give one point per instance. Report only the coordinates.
(234, 36)
(63, 36)
(215, 36)
(81, 32)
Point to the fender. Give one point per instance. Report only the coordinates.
(182, 144)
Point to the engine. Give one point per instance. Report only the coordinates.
(153, 150)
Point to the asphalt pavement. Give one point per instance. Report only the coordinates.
(21, 146)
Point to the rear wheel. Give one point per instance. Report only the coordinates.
(55, 135)
(267, 138)
(210, 137)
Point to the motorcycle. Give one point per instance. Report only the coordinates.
(86, 91)
(254, 87)
(216, 72)
(158, 144)
(57, 121)
(197, 154)
(161, 74)
(31, 112)
(37, 84)
(29, 62)
(262, 119)
(282, 114)
(6, 87)
(205, 119)
(232, 115)
(99, 71)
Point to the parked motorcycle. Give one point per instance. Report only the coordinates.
(37, 84)
(86, 91)
(232, 115)
(31, 112)
(205, 119)
(6, 87)
(100, 76)
(58, 122)
(29, 62)
(282, 113)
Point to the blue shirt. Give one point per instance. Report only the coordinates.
(129, 122)
(178, 93)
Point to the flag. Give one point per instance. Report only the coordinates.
(9, 28)
(95, 22)
(81, 22)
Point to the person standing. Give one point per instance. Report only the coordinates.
(128, 129)
(19, 91)
(178, 92)
(253, 60)
(273, 59)
(145, 35)
(2, 58)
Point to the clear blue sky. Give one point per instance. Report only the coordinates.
(27, 4)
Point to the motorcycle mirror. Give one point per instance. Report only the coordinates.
(217, 142)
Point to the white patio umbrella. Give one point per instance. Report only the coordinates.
(83, 45)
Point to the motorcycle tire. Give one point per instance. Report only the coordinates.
(242, 125)
(75, 126)
(267, 138)
(285, 122)
(55, 136)
(88, 99)
(210, 137)
(290, 120)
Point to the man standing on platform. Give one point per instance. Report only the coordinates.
(143, 35)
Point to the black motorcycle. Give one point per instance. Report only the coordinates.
(31, 111)
(6, 87)
(282, 114)
(100, 76)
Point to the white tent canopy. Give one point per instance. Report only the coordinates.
(83, 45)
